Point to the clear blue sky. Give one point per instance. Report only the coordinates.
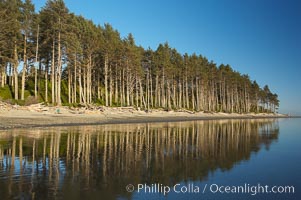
(261, 38)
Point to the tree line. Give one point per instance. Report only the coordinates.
(62, 58)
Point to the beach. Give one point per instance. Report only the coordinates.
(38, 115)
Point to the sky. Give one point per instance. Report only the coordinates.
(261, 38)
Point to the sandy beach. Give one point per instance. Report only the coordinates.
(12, 116)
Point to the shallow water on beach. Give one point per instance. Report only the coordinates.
(176, 160)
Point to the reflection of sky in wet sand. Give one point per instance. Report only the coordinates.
(76, 162)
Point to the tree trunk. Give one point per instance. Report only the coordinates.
(16, 63)
(197, 95)
(36, 61)
(3, 77)
(127, 84)
(151, 90)
(116, 84)
(192, 95)
(59, 71)
(141, 94)
(98, 86)
(75, 79)
(106, 80)
(88, 81)
(168, 95)
(81, 98)
(136, 91)
(24, 68)
(123, 87)
(69, 85)
(180, 94)
(187, 93)
(52, 75)
(46, 82)
(110, 86)
(163, 90)
(85, 83)
(157, 99)
(175, 102)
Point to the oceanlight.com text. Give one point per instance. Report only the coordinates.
(251, 189)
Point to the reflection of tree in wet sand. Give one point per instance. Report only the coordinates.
(101, 160)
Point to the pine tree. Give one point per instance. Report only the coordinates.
(27, 22)
(54, 18)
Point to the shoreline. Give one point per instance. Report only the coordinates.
(37, 116)
(133, 120)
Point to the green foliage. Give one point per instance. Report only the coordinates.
(64, 92)
(100, 102)
(5, 93)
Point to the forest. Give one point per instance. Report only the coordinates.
(61, 58)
